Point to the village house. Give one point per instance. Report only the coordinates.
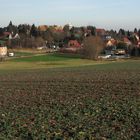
(87, 33)
(127, 41)
(59, 28)
(72, 47)
(108, 37)
(5, 35)
(114, 47)
(73, 44)
(110, 47)
(138, 43)
(3, 49)
(13, 36)
(111, 42)
(136, 36)
(42, 28)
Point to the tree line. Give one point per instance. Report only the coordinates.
(32, 36)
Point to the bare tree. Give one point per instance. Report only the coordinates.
(93, 47)
(39, 42)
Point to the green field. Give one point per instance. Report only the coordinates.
(29, 60)
(44, 61)
(22, 54)
(47, 57)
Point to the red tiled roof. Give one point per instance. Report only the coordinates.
(74, 43)
(6, 33)
(111, 42)
(43, 27)
(126, 40)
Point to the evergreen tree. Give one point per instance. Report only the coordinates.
(34, 31)
(66, 28)
(121, 33)
(10, 24)
(93, 30)
(11, 28)
(128, 34)
(135, 30)
(1, 31)
(113, 33)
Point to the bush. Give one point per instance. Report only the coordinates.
(93, 46)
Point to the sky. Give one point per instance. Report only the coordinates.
(108, 14)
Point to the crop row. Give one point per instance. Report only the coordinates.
(79, 105)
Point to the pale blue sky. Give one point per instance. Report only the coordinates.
(100, 13)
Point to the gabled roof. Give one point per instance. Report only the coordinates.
(126, 40)
(43, 27)
(6, 33)
(74, 43)
(136, 36)
(139, 42)
(111, 42)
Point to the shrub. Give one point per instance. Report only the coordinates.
(92, 47)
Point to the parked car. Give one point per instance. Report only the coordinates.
(120, 56)
(104, 56)
(120, 52)
(11, 54)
